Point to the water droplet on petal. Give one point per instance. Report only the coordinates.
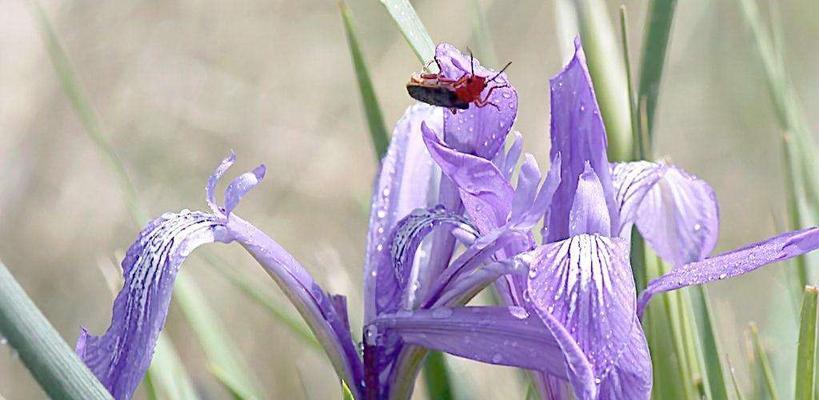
(497, 358)
(441, 313)
(697, 227)
(723, 275)
(381, 213)
(518, 312)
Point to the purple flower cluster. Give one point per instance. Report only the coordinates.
(447, 221)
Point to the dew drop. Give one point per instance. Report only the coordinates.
(582, 108)
(723, 275)
(381, 213)
(697, 227)
(533, 273)
(497, 358)
(518, 312)
(507, 95)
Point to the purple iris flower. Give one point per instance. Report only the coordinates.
(446, 222)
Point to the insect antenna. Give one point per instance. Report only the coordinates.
(471, 60)
(500, 72)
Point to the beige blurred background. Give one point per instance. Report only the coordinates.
(177, 84)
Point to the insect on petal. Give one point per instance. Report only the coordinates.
(478, 130)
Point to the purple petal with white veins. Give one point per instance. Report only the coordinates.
(579, 135)
(734, 263)
(632, 181)
(486, 194)
(589, 213)
(496, 335)
(585, 283)
(120, 357)
(632, 377)
(679, 217)
(406, 182)
(240, 185)
(478, 130)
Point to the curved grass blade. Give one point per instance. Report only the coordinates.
(54, 365)
(806, 353)
(481, 35)
(737, 391)
(168, 378)
(223, 357)
(412, 28)
(375, 120)
(764, 363)
(93, 129)
(712, 365)
(655, 43)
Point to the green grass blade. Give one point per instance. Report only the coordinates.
(222, 355)
(806, 353)
(346, 393)
(737, 391)
(481, 36)
(54, 365)
(258, 295)
(711, 351)
(375, 119)
(655, 43)
(412, 28)
(168, 379)
(764, 363)
(437, 378)
(608, 75)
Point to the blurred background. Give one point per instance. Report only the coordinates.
(178, 84)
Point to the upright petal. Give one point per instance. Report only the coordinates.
(734, 263)
(527, 188)
(585, 284)
(486, 194)
(478, 130)
(579, 135)
(407, 181)
(589, 213)
(240, 185)
(632, 181)
(679, 217)
(120, 357)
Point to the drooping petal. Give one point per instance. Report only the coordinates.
(495, 335)
(240, 185)
(631, 378)
(486, 194)
(734, 263)
(120, 357)
(585, 283)
(589, 213)
(679, 217)
(313, 303)
(632, 180)
(407, 181)
(478, 130)
(579, 135)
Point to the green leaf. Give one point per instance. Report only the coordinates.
(258, 295)
(806, 353)
(655, 43)
(412, 28)
(764, 363)
(737, 391)
(167, 377)
(436, 377)
(481, 36)
(52, 363)
(375, 120)
(346, 393)
(708, 340)
(608, 75)
(223, 357)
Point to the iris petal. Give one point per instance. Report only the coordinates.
(632, 181)
(589, 213)
(486, 194)
(631, 378)
(406, 182)
(478, 130)
(579, 135)
(120, 357)
(734, 263)
(585, 284)
(240, 185)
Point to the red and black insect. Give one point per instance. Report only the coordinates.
(455, 94)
